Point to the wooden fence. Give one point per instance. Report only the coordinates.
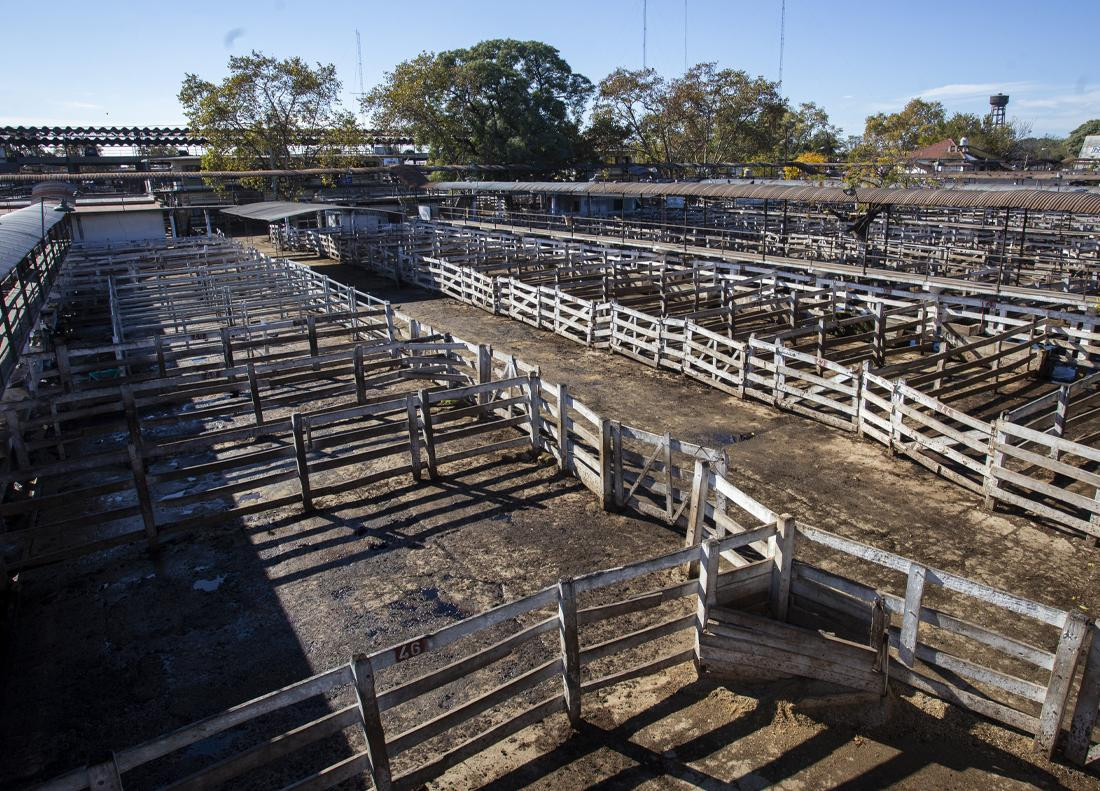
(790, 370)
(1020, 667)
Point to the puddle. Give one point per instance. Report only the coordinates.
(209, 586)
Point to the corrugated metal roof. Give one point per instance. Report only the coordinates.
(1038, 200)
(21, 230)
(272, 210)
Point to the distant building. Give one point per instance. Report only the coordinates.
(947, 156)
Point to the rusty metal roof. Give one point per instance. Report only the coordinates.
(1036, 200)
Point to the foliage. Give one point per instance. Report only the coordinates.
(807, 130)
(1076, 138)
(269, 113)
(1049, 148)
(811, 174)
(707, 115)
(889, 138)
(498, 102)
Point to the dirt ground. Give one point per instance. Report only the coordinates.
(114, 649)
(822, 476)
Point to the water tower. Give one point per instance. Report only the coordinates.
(997, 104)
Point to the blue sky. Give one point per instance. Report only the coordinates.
(115, 63)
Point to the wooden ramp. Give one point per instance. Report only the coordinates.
(737, 643)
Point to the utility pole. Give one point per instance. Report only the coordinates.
(782, 36)
(644, 31)
(359, 59)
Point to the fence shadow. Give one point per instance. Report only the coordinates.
(910, 741)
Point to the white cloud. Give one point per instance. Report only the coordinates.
(1049, 108)
(74, 105)
(965, 90)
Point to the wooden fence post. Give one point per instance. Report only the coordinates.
(1087, 707)
(158, 347)
(104, 776)
(564, 445)
(1070, 646)
(607, 476)
(705, 594)
(145, 502)
(227, 348)
(910, 625)
(133, 421)
(617, 488)
(391, 333)
(697, 511)
(861, 401)
(570, 650)
(534, 405)
(371, 719)
(15, 436)
(1060, 412)
(296, 425)
(878, 342)
(414, 435)
(254, 390)
(880, 640)
(429, 434)
(484, 371)
(746, 367)
(779, 378)
(782, 552)
(994, 457)
(61, 360)
(311, 332)
(360, 378)
(897, 398)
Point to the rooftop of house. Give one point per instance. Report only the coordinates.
(949, 149)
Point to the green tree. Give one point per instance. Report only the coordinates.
(498, 102)
(707, 115)
(1077, 137)
(918, 124)
(269, 113)
(807, 130)
(889, 138)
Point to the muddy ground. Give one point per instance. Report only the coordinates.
(114, 649)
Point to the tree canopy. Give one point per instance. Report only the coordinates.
(707, 115)
(269, 113)
(498, 102)
(921, 123)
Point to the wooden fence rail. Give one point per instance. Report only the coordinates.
(944, 654)
(907, 417)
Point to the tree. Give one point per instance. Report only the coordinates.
(807, 130)
(707, 115)
(918, 124)
(633, 106)
(811, 173)
(889, 138)
(1076, 138)
(498, 102)
(269, 113)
